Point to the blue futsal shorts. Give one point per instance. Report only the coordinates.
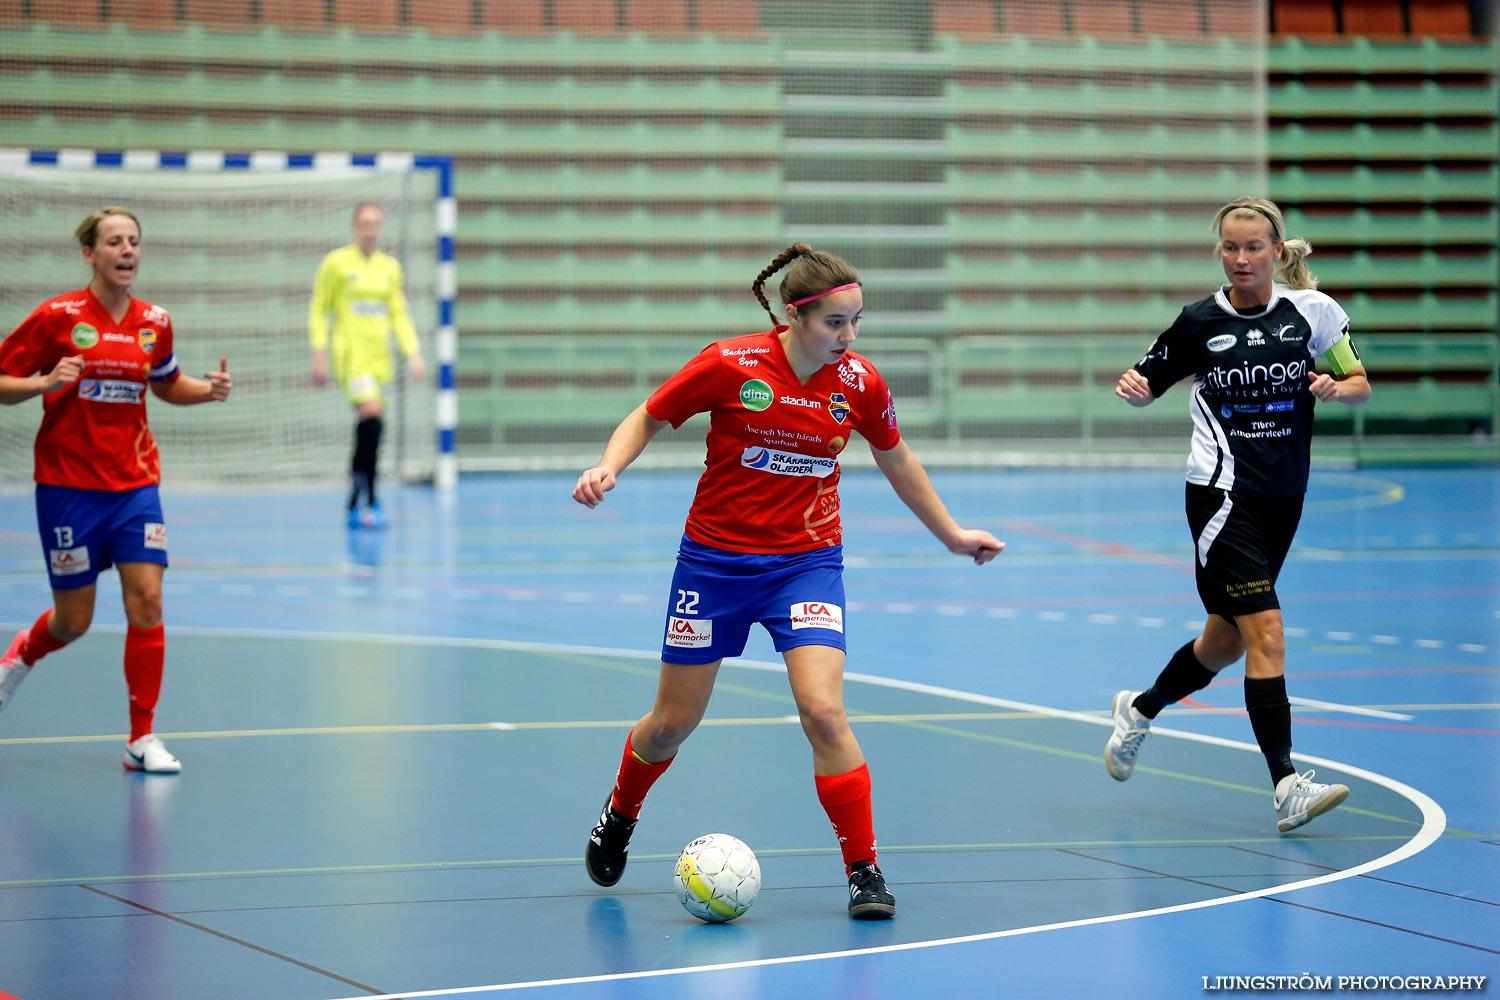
(717, 595)
(84, 532)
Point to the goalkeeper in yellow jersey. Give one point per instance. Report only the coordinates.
(362, 289)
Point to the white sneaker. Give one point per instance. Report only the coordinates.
(13, 670)
(1131, 731)
(1299, 798)
(150, 754)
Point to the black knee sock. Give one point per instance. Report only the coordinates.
(1271, 718)
(366, 453)
(1182, 675)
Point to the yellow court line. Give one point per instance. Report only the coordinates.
(399, 867)
(778, 720)
(922, 721)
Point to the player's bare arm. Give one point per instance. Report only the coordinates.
(64, 373)
(625, 446)
(213, 387)
(911, 483)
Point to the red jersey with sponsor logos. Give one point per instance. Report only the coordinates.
(94, 434)
(772, 473)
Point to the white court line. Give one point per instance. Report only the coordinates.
(1434, 819)
(1332, 706)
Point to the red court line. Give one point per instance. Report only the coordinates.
(1094, 545)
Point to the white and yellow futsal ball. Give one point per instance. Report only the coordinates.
(718, 877)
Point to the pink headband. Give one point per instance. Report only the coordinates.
(813, 298)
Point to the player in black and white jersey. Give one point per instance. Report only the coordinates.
(1249, 349)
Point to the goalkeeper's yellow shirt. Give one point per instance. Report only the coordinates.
(365, 297)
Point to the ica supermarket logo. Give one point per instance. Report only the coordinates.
(84, 336)
(755, 395)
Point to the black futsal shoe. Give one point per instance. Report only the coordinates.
(608, 844)
(869, 898)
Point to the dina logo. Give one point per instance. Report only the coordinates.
(756, 395)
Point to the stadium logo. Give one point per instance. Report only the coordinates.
(838, 407)
(756, 395)
(1222, 342)
(85, 336)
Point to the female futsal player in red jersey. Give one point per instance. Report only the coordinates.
(97, 469)
(763, 543)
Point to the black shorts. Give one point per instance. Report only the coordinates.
(1239, 545)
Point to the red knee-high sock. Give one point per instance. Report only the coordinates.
(40, 641)
(846, 799)
(145, 652)
(634, 780)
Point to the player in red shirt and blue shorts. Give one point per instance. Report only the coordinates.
(763, 543)
(90, 355)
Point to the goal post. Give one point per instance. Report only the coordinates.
(231, 243)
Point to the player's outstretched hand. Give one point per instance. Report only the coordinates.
(417, 367)
(978, 544)
(64, 373)
(219, 382)
(592, 486)
(1134, 389)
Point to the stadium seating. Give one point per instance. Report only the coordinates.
(628, 166)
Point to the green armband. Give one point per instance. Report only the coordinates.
(1342, 357)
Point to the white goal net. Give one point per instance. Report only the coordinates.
(231, 255)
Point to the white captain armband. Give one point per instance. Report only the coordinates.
(1342, 357)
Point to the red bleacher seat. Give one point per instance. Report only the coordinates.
(657, 17)
(1101, 18)
(584, 16)
(963, 17)
(513, 15)
(294, 15)
(147, 15)
(1171, 18)
(447, 17)
(1444, 18)
(728, 17)
(369, 15)
(84, 13)
(1032, 17)
(219, 13)
(1247, 21)
(1304, 17)
(1374, 17)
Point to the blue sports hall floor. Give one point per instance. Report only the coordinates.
(394, 745)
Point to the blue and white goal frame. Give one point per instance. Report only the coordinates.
(445, 471)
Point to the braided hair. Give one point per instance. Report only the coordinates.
(811, 271)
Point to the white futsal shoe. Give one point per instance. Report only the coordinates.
(1131, 731)
(150, 754)
(13, 670)
(1299, 799)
